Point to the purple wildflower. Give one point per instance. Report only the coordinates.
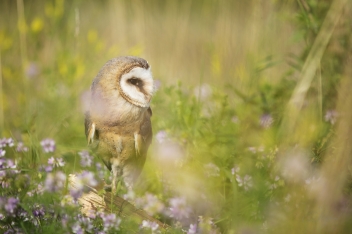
(60, 162)
(10, 142)
(48, 168)
(111, 222)
(91, 213)
(11, 164)
(32, 70)
(39, 190)
(86, 159)
(2, 174)
(235, 169)
(51, 160)
(55, 182)
(2, 163)
(266, 120)
(169, 153)
(22, 214)
(15, 230)
(178, 208)
(11, 205)
(161, 136)
(5, 184)
(157, 84)
(150, 203)
(203, 92)
(3, 180)
(192, 229)
(2, 152)
(331, 116)
(86, 178)
(3, 142)
(48, 145)
(212, 170)
(76, 228)
(8, 164)
(21, 148)
(100, 170)
(38, 211)
(82, 225)
(150, 225)
(56, 162)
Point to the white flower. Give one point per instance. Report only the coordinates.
(331, 116)
(212, 170)
(203, 92)
(235, 169)
(245, 182)
(150, 225)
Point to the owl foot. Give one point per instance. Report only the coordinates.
(108, 187)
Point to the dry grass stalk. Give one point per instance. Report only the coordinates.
(311, 66)
(337, 165)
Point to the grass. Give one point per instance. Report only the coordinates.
(252, 119)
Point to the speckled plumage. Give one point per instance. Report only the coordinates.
(118, 121)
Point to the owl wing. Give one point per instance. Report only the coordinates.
(89, 128)
(142, 141)
(144, 137)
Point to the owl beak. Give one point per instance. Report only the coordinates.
(148, 98)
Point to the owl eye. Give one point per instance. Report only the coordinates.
(135, 81)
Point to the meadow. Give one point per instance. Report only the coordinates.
(252, 117)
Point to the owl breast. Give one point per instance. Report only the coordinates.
(116, 146)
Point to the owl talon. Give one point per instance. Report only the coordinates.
(108, 188)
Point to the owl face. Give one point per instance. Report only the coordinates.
(136, 86)
(122, 84)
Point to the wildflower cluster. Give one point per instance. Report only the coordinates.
(245, 182)
(8, 167)
(35, 199)
(150, 203)
(86, 178)
(35, 207)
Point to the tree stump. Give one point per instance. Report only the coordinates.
(91, 202)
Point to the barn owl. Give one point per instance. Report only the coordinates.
(117, 124)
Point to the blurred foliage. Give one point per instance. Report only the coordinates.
(227, 70)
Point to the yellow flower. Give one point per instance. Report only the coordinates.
(5, 41)
(216, 65)
(49, 10)
(92, 36)
(80, 68)
(59, 8)
(63, 69)
(37, 25)
(136, 50)
(55, 10)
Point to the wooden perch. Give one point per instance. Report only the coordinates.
(92, 202)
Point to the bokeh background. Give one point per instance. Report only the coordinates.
(252, 114)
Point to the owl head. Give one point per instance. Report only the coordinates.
(127, 77)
